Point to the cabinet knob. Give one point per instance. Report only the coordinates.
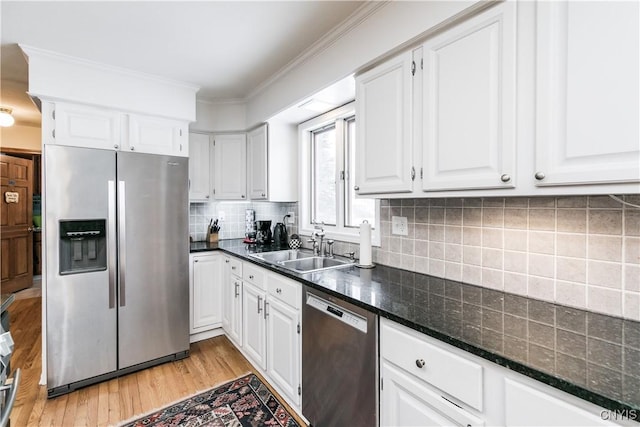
(242, 196)
(263, 195)
(420, 363)
(206, 197)
(233, 268)
(278, 290)
(356, 188)
(195, 260)
(115, 146)
(132, 148)
(227, 261)
(505, 177)
(540, 176)
(251, 276)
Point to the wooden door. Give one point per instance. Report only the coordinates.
(16, 222)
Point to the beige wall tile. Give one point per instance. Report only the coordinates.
(472, 202)
(407, 202)
(541, 288)
(515, 240)
(542, 219)
(631, 222)
(410, 213)
(492, 217)
(492, 238)
(571, 269)
(492, 258)
(395, 244)
(422, 214)
(604, 300)
(453, 234)
(516, 218)
(605, 248)
(606, 274)
(605, 221)
(515, 283)
(572, 220)
(603, 202)
(385, 213)
(541, 265)
(472, 255)
(422, 232)
(632, 250)
(436, 267)
(472, 216)
(421, 264)
(436, 233)
(471, 274)
(453, 216)
(572, 202)
(516, 202)
(542, 242)
(453, 271)
(632, 277)
(436, 215)
(573, 245)
(492, 278)
(472, 236)
(421, 248)
(632, 305)
(453, 202)
(436, 250)
(496, 202)
(407, 262)
(573, 294)
(408, 246)
(542, 202)
(515, 262)
(452, 252)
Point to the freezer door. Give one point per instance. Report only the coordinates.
(81, 309)
(153, 235)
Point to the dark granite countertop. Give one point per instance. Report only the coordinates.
(7, 299)
(593, 356)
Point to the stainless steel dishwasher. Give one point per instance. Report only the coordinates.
(339, 362)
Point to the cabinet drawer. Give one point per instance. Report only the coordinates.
(236, 267)
(254, 275)
(459, 377)
(288, 291)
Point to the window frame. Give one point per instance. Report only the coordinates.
(340, 231)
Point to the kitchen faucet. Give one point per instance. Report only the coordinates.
(318, 248)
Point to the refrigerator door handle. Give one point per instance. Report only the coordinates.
(111, 242)
(122, 242)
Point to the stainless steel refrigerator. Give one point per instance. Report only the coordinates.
(117, 284)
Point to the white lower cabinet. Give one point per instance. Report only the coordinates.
(439, 388)
(206, 292)
(254, 329)
(232, 297)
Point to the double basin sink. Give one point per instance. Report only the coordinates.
(302, 261)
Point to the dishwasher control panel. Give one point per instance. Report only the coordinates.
(337, 312)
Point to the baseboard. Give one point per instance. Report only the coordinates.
(206, 335)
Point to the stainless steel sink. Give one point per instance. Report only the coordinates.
(277, 257)
(301, 260)
(315, 263)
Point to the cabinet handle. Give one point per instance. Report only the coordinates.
(132, 148)
(251, 276)
(263, 195)
(505, 177)
(266, 304)
(237, 289)
(242, 196)
(227, 261)
(278, 290)
(53, 133)
(413, 173)
(259, 301)
(233, 267)
(420, 363)
(356, 188)
(115, 146)
(195, 260)
(540, 176)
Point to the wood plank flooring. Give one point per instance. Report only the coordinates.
(212, 362)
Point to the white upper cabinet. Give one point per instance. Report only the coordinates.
(257, 179)
(230, 166)
(384, 127)
(469, 114)
(587, 92)
(156, 135)
(200, 148)
(83, 126)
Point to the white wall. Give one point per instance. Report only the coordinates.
(386, 29)
(217, 117)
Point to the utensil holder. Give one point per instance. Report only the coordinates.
(213, 237)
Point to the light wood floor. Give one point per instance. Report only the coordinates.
(212, 362)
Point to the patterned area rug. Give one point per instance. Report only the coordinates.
(245, 402)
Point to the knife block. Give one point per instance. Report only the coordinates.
(212, 237)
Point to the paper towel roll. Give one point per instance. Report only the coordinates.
(365, 243)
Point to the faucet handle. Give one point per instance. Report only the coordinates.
(330, 248)
(351, 255)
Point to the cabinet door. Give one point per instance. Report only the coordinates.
(199, 167)
(405, 401)
(283, 348)
(383, 128)
(235, 331)
(257, 163)
(587, 92)
(155, 135)
(206, 290)
(230, 159)
(469, 114)
(253, 324)
(82, 126)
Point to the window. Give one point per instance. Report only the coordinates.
(327, 176)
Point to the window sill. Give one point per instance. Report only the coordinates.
(342, 237)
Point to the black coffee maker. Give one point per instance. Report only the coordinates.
(280, 237)
(263, 232)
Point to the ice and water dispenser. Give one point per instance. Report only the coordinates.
(83, 246)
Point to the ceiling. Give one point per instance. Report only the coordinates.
(230, 49)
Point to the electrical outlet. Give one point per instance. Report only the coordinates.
(291, 218)
(221, 215)
(399, 225)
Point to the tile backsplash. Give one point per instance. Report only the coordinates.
(578, 251)
(234, 212)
